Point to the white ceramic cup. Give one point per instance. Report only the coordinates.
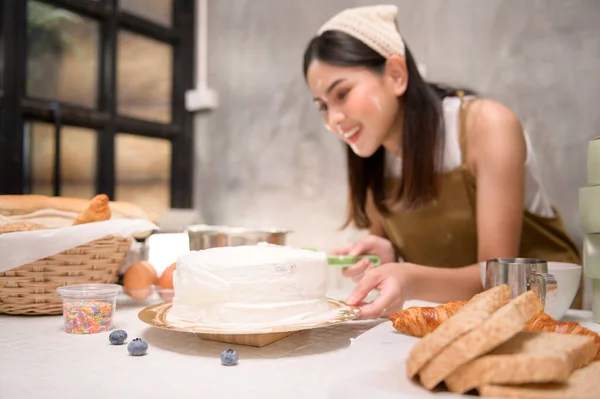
(568, 277)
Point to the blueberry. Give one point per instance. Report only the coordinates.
(229, 357)
(137, 347)
(117, 337)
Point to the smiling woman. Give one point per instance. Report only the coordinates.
(442, 179)
(349, 66)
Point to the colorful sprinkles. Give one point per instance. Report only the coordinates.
(87, 317)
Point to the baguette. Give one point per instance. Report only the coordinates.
(20, 226)
(14, 205)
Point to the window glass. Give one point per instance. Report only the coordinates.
(144, 78)
(62, 56)
(77, 159)
(159, 11)
(143, 172)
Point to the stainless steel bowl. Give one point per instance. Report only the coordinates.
(202, 236)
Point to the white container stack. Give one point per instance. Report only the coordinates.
(589, 215)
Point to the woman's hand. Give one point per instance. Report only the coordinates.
(370, 245)
(392, 281)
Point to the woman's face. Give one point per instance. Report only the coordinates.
(358, 105)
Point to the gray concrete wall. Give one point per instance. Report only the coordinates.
(264, 158)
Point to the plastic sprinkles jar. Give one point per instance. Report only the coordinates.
(88, 308)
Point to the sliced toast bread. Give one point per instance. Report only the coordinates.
(582, 384)
(528, 357)
(501, 326)
(472, 314)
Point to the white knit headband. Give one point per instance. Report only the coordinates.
(375, 26)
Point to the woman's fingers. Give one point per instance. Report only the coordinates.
(389, 295)
(381, 305)
(369, 282)
(358, 248)
(358, 269)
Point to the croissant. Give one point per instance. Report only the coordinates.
(543, 322)
(420, 321)
(97, 211)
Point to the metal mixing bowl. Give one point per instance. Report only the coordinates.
(202, 236)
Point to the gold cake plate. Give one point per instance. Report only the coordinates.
(249, 334)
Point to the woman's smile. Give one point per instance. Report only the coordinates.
(351, 134)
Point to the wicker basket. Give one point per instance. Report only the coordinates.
(31, 289)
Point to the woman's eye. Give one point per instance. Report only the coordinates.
(322, 107)
(341, 95)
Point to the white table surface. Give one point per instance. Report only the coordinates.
(38, 360)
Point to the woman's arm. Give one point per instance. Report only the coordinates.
(496, 154)
(442, 285)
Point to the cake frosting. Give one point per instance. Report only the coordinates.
(262, 283)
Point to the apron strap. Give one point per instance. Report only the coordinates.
(462, 134)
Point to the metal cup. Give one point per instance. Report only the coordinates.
(522, 274)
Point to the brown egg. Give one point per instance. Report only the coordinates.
(166, 278)
(138, 280)
(165, 283)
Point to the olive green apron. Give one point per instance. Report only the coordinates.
(443, 233)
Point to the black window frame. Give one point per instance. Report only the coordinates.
(16, 108)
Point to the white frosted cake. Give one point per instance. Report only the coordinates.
(262, 283)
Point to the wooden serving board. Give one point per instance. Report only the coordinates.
(257, 340)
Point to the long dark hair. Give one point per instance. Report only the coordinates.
(422, 132)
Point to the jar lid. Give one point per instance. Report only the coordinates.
(88, 290)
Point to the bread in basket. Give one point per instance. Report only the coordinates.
(30, 289)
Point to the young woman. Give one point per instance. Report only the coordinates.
(442, 180)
